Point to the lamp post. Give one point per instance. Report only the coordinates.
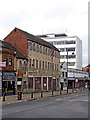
(52, 72)
(67, 68)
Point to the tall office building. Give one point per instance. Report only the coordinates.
(71, 43)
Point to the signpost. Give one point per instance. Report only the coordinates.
(2, 64)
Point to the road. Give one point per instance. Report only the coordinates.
(67, 106)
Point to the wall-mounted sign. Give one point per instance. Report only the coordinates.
(8, 76)
(2, 64)
(19, 82)
(76, 80)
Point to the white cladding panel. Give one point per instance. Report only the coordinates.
(77, 46)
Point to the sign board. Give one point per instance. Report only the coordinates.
(76, 80)
(8, 76)
(19, 82)
(2, 64)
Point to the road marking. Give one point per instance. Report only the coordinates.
(77, 100)
(58, 99)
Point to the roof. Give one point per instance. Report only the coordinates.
(35, 39)
(9, 46)
(52, 34)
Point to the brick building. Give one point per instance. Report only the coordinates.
(9, 67)
(43, 68)
(87, 69)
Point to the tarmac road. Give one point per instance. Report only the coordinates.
(67, 106)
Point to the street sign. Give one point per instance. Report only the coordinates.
(76, 80)
(2, 64)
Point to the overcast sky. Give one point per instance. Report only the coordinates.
(47, 16)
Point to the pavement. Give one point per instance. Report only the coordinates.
(36, 96)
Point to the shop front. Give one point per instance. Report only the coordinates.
(8, 83)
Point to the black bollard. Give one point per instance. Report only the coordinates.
(60, 92)
(67, 89)
(19, 95)
(52, 92)
(41, 93)
(3, 96)
(31, 94)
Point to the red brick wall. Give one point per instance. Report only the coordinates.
(8, 55)
(8, 68)
(18, 40)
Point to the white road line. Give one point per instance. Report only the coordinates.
(58, 99)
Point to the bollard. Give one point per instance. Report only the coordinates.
(60, 92)
(41, 93)
(3, 96)
(67, 89)
(52, 92)
(19, 95)
(31, 94)
(88, 87)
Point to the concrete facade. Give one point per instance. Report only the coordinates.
(64, 42)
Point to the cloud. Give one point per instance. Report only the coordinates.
(46, 16)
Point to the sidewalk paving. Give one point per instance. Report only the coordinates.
(36, 96)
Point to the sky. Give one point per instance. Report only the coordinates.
(47, 16)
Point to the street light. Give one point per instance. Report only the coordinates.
(52, 72)
(67, 49)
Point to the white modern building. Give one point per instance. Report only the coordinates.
(63, 42)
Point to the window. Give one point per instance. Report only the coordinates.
(30, 46)
(43, 50)
(65, 42)
(62, 49)
(48, 65)
(71, 63)
(37, 48)
(24, 65)
(5, 60)
(43, 64)
(33, 63)
(58, 55)
(55, 67)
(55, 43)
(40, 49)
(40, 64)
(33, 46)
(10, 62)
(30, 63)
(70, 49)
(20, 64)
(51, 42)
(55, 54)
(62, 56)
(36, 63)
(46, 51)
(71, 56)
